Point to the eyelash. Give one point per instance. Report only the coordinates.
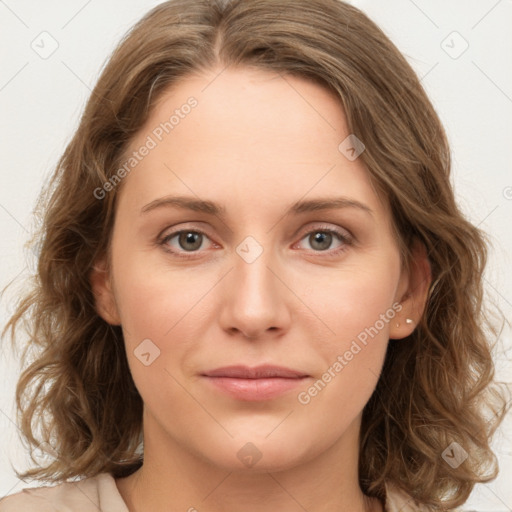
(342, 237)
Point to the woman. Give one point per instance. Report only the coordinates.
(255, 288)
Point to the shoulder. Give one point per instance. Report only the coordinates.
(399, 501)
(93, 494)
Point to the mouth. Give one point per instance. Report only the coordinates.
(254, 384)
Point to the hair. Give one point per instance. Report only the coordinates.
(76, 398)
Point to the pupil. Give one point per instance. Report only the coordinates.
(190, 238)
(322, 238)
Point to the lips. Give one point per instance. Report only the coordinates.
(259, 372)
(254, 384)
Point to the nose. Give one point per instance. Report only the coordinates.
(255, 299)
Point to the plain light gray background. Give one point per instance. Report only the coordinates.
(52, 53)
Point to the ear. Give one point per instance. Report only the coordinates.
(102, 289)
(412, 293)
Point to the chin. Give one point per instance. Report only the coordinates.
(258, 453)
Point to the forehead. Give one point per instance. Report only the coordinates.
(245, 131)
(251, 110)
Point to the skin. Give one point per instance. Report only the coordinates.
(256, 143)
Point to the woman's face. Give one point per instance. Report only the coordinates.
(224, 253)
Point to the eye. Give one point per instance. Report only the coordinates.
(321, 240)
(186, 240)
(187, 243)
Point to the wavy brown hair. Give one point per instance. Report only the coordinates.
(76, 393)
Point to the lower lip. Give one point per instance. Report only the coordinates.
(255, 389)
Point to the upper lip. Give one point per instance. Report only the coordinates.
(256, 372)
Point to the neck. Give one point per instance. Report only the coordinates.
(177, 478)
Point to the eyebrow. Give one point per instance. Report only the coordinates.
(212, 208)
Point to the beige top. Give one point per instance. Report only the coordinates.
(100, 494)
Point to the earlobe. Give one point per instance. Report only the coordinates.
(414, 300)
(102, 290)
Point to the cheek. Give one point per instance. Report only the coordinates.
(150, 313)
(152, 296)
(147, 307)
(355, 301)
(358, 307)
(162, 314)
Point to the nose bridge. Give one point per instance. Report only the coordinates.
(254, 300)
(254, 281)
